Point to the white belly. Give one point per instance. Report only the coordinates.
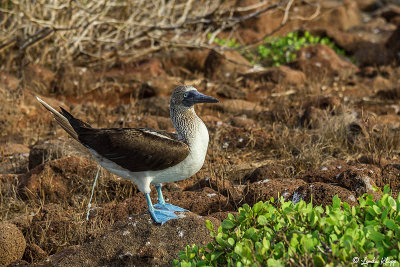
(183, 170)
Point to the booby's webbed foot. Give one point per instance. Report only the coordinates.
(170, 207)
(166, 206)
(162, 216)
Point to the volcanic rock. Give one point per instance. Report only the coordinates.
(138, 241)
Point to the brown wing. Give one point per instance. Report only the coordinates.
(135, 149)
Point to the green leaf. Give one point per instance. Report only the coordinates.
(389, 223)
(353, 211)
(376, 236)
(266, 243)
(220, 240)
(386, 189)
(249, 232)
(262, 220)
(346, 206)
(308, 243)
(371, 211)
(392, 203)
(227, 224)
(209, 225)
(215, 255)
(257, 207)
(294, 242)
(318, 260)
(274, 263)
(376, 209)
(336, 202)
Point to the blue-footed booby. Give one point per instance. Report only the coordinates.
(147, 156)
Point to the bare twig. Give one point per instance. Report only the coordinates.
(286, 15)
(102, 30)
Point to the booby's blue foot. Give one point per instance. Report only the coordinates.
(170, 207)
(166, 206)
(160, 216)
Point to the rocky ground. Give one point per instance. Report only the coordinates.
(316, 127)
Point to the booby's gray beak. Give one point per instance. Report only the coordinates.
(194, 97)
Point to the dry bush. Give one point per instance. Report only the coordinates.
(91, 29)
(51, 33)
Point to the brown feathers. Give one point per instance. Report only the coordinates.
(135, 149)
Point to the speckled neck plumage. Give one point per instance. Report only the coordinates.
(185, 121)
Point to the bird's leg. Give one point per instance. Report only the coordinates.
(160, 216)
(90, 200)
(163, 205)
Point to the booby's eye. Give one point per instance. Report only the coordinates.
(185, 95)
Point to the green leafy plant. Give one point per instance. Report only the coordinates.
(280, 233)
(282, 49)
(231, 43)
(278, 50)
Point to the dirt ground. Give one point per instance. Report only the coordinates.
(319, 126)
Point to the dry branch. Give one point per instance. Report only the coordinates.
(92, 31)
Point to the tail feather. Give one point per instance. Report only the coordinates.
(61, 119)
(75, 123)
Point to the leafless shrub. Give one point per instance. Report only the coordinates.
(56, 31)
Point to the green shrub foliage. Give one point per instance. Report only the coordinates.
(278, 50)
(280, 233)
(282, 49)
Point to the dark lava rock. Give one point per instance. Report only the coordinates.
(138, 241)
(221, 185)
(393, 44)
(242, 122)
(35, 253)
(239, 107)
(156, 105)
(264, 190)
(14, 159)
(320, 61)
(57, 180)
(391, 176)
(354, 131)
(282, 75)
(225, 66)
(316, 107)
(190, 59)
(54, 149)
(327, 173)
(235, 137)
(360, 179)
(232, 92)
(322, 194)
(373, 54)
(159, 86)
(391, 94)
(268, 171)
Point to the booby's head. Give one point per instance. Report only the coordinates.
(186, 96)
